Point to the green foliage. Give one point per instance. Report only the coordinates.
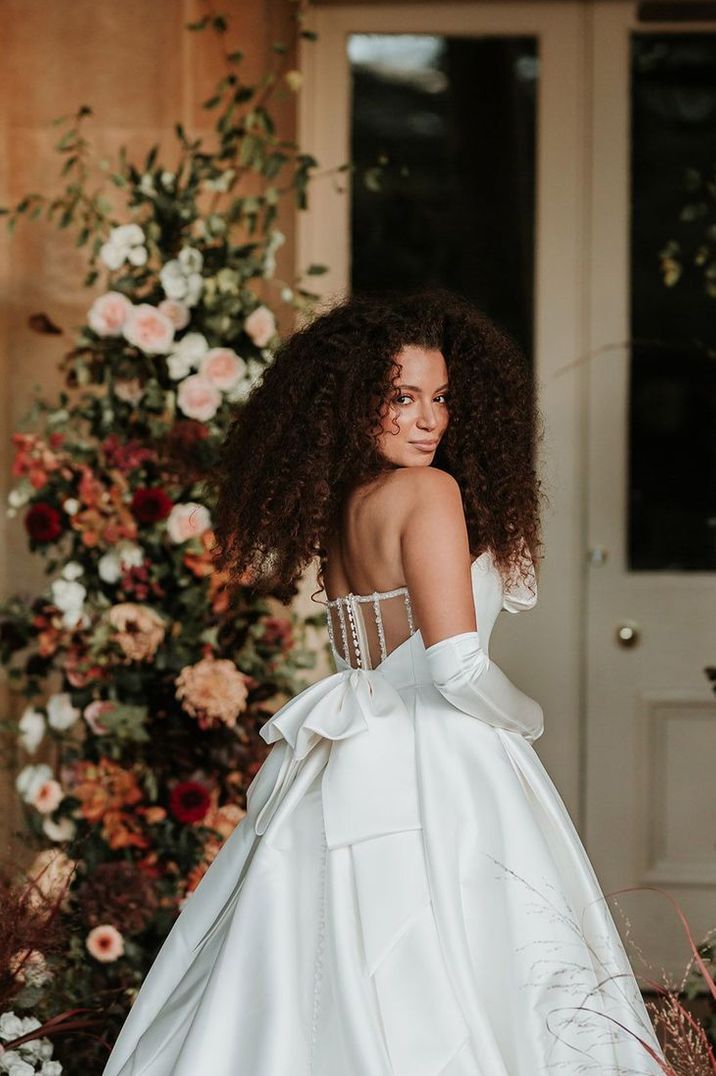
(146, 682)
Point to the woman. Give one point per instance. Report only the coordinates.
(406, 895)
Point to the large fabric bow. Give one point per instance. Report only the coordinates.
(357, 725)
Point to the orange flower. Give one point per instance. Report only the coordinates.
(139, 630)
(104, 790)
(224, 819)
(122, 830)
(213, 691)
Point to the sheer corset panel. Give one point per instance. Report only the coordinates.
(365, 628)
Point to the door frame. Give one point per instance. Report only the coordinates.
(543, 652)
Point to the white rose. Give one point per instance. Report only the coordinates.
(17, 1067)
(112, 255)
(127, 235)
(69, 597)
(14, 1065)
(240, 390)
(191, 348)
(130, 554)
(71, 505)
(119, 558)
(186, 521)
(46, 1049)
(191, 260)
(64, 830)
(51, 1068)
(75, 618)
(194, 288)
(10, 1027)
(68, 594)
(28, 781)
(31, 1051)
(108, 567)
(31, 727)
(178, 367)
(61, 714)
(173, 280)
(20, 495)
(137, 256)
(72, 570)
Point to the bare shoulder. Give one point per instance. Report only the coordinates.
(426, 507)
(426, 487)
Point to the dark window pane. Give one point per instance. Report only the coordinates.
(460, 114)
(672, 466)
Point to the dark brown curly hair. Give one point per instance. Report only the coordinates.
(307, 435)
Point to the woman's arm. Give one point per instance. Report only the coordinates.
(437, 566)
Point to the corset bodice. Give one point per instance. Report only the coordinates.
(365, 630)
(369, 626)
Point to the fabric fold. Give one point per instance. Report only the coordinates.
(369, 786)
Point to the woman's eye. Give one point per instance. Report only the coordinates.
(399, 399)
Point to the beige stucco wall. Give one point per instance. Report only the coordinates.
(140, 71)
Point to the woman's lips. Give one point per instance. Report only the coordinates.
(424, 446)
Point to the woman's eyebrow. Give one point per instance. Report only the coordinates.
(416, 388)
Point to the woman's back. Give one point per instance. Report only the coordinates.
(381, 570)
(369, 608)
(365, 554)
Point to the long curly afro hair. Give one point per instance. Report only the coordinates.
(306, 436)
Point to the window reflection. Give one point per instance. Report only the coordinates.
(672, 465)
(460, 114)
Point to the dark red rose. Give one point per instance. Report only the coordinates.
(151, 505)
(43, 522)
(189, 801)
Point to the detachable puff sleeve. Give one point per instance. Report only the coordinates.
(465, 676)
(522, 594)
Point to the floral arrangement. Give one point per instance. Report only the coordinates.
(145, 677)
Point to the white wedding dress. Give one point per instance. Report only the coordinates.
(406, 894)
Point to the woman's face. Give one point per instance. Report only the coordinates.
(417, 415)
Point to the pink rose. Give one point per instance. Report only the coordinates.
(260, 325)
(108, 314)
(105, 943)
(187, 520)
(222, 366)
(149, 330)
(177, 312)
(198, 397)
(93, 715)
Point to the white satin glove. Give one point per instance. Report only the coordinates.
(465, 676)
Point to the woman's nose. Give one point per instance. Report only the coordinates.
(427, 419)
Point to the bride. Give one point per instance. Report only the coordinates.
(406, 894)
